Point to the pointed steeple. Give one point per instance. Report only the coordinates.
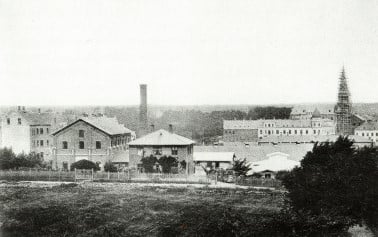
(343, 108)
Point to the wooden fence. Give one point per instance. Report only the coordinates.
(80, 175)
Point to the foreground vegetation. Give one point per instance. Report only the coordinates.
(127, 210)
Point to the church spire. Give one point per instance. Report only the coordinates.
(343, 109)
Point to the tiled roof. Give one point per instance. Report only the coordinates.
(213, 156)
(311, 109)
(255, 153)
(34, 118)
(370, 126)
(161, 138)
(108, 125)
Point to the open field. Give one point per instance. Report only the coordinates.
(137, 209)
(99, 209)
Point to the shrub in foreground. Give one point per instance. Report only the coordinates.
(84, 164)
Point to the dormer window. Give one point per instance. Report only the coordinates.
(8, 121)
(19, 121)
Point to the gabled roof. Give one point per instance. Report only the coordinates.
(161, 138)
(214, 156)
(370, 126)
(255, 153)
(110, 126)
(34, 118)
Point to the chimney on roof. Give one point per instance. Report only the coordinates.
(152, 127)
(23, 108)
(143, 120)
(170, 128)
(39, 110)
(19, 108)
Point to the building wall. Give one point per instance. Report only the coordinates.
(371, 134)
(41, 141)
(74, 153)
(14, 135)
(183, 153)
(241, 135)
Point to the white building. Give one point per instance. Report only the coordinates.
(214, 160)
(368, 130)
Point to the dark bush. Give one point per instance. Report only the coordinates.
(336, 186)
(84, 164)
(167, 162)
(148, 163)
(110, 167)
(241, 167)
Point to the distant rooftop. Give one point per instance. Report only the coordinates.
(161, 138)
(370, 126)
(108, 125)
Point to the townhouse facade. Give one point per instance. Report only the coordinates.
(162, 143)
(98, 139)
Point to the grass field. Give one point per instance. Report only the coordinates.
(100, 209)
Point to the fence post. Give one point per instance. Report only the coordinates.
(92, 174)
(118, 175)
(128, 174)
(75, 174)
(58, 175)
(216, 177)
(108, 175)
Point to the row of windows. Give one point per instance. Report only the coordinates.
(269, 132)
(159, 151)
(81, 145)
(38, 143)
(19, 122)
(119, 141)
(36, 131)
(368, 135)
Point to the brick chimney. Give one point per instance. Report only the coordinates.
(170, 128)
(152, 127)
(143, 121)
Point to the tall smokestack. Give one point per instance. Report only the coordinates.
(143, 122)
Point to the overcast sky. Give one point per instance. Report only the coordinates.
(97, 52)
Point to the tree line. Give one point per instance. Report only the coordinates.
(195, 124)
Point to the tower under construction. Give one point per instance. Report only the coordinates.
(343, 108)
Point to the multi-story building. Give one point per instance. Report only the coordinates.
(97, 138)
(253, 130)
(24, 132)
(162, 143)
(369, 130)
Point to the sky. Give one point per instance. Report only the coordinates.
(189, 52)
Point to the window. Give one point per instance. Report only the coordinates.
(41, 142)
(98, 145)
(41, 130)
(37, 142)
(363, 134)
(19, 121)
(295, 131)
(47, 130)
(277, 132)
(47, 142)
(8, 121)
(37, 130)
(267, 176)
(314, 131)
(306, 131)
(33, 143)
(174, 151)
(260, 131)
(157, 151)
(65, 145)
(41, 155)
(284, 131)
(190, 150)
(290, 131)
(81, 133)
(81, 145)
(65, 166)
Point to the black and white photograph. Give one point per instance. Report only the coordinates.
(200, 118)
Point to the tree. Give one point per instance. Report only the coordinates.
(337, 184)
(167, 162)
(110, 167)
(7, 157)
(148, 163)
(84, 164)
(241, 167)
